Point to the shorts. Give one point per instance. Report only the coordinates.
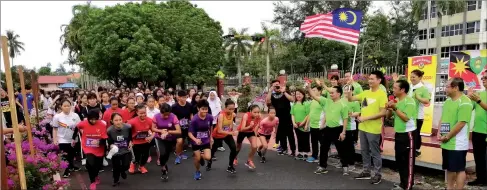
(242, 135)
(267, 137)
(184, 134)
(200, 147)
(454, 160)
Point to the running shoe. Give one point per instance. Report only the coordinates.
(259, 153)
(93, 186)
(101, 170)
(142, 169)
(116, 183)
(178, 160)
(202, 162)
(221, 149)
(250, 164)
(321, 170)
(183, 156)
(376, 179)
(276, 146)
(213, 158)
(97, 180)
(132, 168)
(66, 174)
(75, 169)
(281, 153)
(149, 159)
(164, 175)
(235, 162)
(124, 175)
(83, 162)
(197, 175)
(105, 162)
(262, 159)
(231, 170)
(208, 166)
(351, 168)
(345, 171)
(293, 154)
(363, 175)
(299, 157)
(311, 159)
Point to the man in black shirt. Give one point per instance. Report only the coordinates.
(280, 99)
(183, 110)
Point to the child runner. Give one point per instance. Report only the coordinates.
(224, 132)
(166, 126)
(199, 133)
(141, 138)
(246, 129)
(113, 109)
(264, 132)
(299, 114)
(182, 110)
(93, 140)
(151, 111)
(120, 135)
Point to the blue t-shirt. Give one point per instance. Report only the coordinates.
(30, 100)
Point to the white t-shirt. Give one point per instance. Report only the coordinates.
(151, 113)
(65, 125)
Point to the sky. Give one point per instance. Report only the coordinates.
(38, 23)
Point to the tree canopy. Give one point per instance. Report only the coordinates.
(170, 41)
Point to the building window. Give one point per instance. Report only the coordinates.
(479, 5)
(431, 51)
(422, 34)
(473, 27)
(457, 29)
(445, 52)
(444, 31)
(424, 14)
(432, 33)
(472, 5)
(43, 85)
(472, 47)
(433, 9)
(422, 52)
(456, 48)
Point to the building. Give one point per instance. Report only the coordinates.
(51, 83)
(465, 30)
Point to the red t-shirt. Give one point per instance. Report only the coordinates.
(126, 115)
(91, 136)
(140, 129)
(249, 119)
(107, 116)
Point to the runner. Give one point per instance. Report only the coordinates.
(129, 111)
(93, 140)
(454, 133)
(196, 97)
(224, 132)
(182, 109)
(191, 92)
(120, 137)
(63, 125)
(167, 128)
(266, 128)
(141, 138)
(404, 110)
(105, 100)
(299, 114)
(113, 109)
(422, 97)
(200, 133)
(216, 108)
(151, 111)
(234, 97)
(139, 98)
(246, 129)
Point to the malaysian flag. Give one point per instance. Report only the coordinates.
(341, 25)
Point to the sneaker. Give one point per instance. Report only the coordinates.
(299, 157)
(250, 164)
(213, 158)
(66, 174)
(202, 162)
(123, 175)
(363, 175)
(75, 169)
(351, 168)
(197, 175)
(281, 153)
(259, 153)
(164, 175)
(345, 171)
(142, 169)
(397, 187)
(101, 170)
(83, 162)
(235, 162)
(231, 170)
(339, 166)
(178, 160)
(93, 186)
(310, 159)
(132, 168)
(376, 179)
(105, 162)
(321, 170)
(149, 159)
(208, 166)
(305, 157)
(276, 146)
(184, 157)
(262, 159)
(116, 184)
(221, 149)
(97, 180)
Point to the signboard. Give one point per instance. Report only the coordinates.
(468, 65)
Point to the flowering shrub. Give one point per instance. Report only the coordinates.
(39, 168)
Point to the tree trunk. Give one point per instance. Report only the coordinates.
(268, 80)
(439, 17)
(12, 62)
(239, 71)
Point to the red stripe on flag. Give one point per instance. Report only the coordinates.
(322, 34)
(321, 26)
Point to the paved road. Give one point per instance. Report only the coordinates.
(280, 172)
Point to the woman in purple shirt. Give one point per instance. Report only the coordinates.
(166, 126)
(199, 133)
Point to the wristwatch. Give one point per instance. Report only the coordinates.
(478, 102)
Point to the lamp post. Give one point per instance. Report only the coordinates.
(363, 47)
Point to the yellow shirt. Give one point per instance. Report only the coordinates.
(371, 103)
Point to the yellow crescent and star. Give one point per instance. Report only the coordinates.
(344, 17)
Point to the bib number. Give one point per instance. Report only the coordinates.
(202, 135)
(184, 123)
(444, 128)
(226, 128)
(93, 143)
(142, 135)
(121, 144)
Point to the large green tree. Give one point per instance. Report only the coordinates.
(15, 46)
(172, 41)
(271, 37)
(238, 45)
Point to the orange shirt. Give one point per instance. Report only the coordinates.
(249, 119)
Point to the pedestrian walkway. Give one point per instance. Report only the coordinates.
(280, 172)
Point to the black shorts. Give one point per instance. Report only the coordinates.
(454, 160)
(184, 134)
(242, 135)
(267, 137)
(200, 147)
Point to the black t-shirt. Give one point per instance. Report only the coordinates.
(183, 113)
(282, 106)
(4, 103)
(88, 108)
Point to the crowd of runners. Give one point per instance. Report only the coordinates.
(123, 125)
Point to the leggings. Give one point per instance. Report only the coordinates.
(303, 140)
(165, 149)
(141, 153)
(68, 155)
(120, 164)
(230, 143)
(93, 164)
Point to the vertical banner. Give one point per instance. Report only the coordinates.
(427, 64)
(469, 65)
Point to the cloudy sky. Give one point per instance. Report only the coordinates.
(38, 23)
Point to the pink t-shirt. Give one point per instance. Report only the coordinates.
(267, 126)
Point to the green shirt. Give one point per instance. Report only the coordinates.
(316, 108)
(325, 94)
(480, 121)
(353, 107)
(300, 111)
(357, 89)
(336, 112)
(382, 87)
(452, 113)
(422, 92)
(408, 107)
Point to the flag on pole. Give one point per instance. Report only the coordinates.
(342, 25)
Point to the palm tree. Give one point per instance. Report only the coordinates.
(238, 43)
(14, 45)
(271, 36)
(442, 8)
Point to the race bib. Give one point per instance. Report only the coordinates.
(142, 135)
(183, 122)
(93, 143)
(227, 128)
(444, 128)
(121, 144)
(202, 135)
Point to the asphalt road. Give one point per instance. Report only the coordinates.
(279, 172)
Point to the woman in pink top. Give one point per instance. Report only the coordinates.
(267, 126)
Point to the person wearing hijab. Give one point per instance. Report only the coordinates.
(216, 108)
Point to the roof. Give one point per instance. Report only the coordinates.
(52, 79)
(74, 75)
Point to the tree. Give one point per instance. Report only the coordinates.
(130, 42)
(44, 71)
(442, 8)
(270, 42)
(239, 45)
(61, 70)
(14, 44)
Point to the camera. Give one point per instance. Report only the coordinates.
(277, 87)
